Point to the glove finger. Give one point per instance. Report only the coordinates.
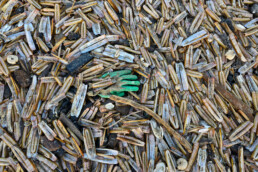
(129, 77)
(125, 82)
(105, 75)
(129, 88)
(119, 73)
(118, 93)
(104, 95)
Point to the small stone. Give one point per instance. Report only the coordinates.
(73, 36)
(22, 78)
(112, 141)
(59, 152)
(18, 10)
(76, 64)
(109, 106)
(230, 54)
(50, 145)
(7, 92)
(254, 9)
(124, 110)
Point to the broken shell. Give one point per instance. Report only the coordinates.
(12, 59)
(181, 164)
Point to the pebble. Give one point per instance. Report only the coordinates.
(22, 78)
(109, 106)
(50, 145)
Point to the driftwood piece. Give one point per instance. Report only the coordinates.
(233, 100)
(176, 135)
(70, 125)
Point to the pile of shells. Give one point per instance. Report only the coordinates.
(196, 108)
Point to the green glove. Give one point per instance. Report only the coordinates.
(125, 82)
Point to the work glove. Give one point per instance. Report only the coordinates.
(125, 81)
